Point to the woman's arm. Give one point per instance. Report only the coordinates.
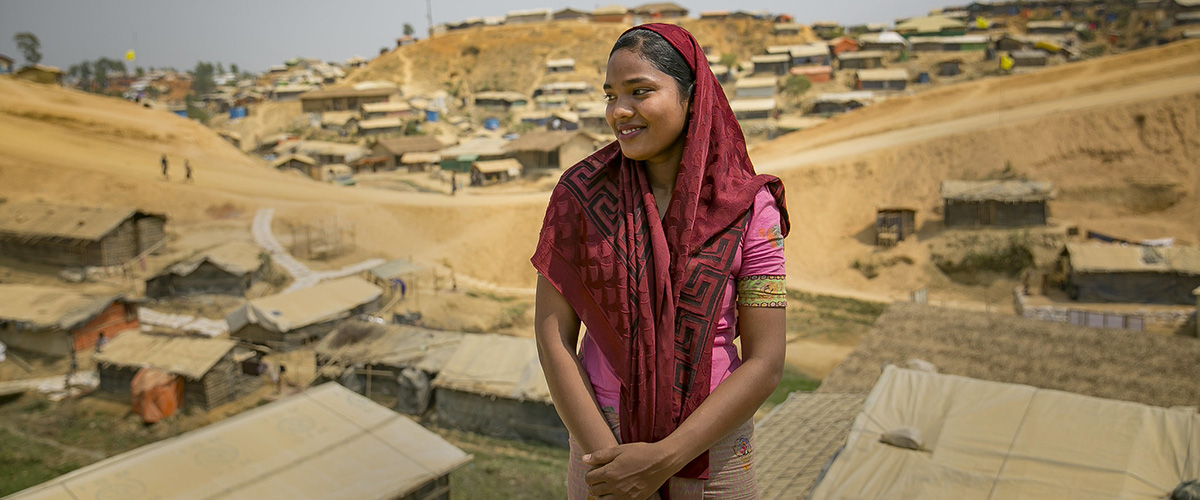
(636, 470)
(556, 327)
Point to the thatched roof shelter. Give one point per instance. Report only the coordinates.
(795, 441)
(1130, 366)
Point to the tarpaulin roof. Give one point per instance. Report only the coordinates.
(496, 365)
(236, 257)
(1108, 258)
(877, 75)
(327, 443)
(984, 439)
(395, 268)
(513, 167)
(546, 140)
(357, 342)
(319, 303)
(44, 307)
(39, 219)
(1010, 191)
(191, 357)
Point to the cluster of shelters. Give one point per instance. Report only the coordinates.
(989, 404)
(483, 383)
(650, 12)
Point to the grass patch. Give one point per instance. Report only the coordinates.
(792, 381)
(25, 463)
(507, 469)
(825, 318)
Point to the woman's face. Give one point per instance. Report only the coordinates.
(645, 109)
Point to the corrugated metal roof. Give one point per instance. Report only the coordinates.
(44, 307)
(324, 443)
(559, 63)
(496, 365)
(1109, 258)
(1011, 191)
(37, 219)
(876, 75)
(191, 357)
(323, 302)
(609, 10)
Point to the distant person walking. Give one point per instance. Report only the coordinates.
(453, 183)
(164, 168)
(187, 171)
(101, 341)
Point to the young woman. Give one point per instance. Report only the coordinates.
(666, 245)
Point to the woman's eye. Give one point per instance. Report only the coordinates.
(641, 91)
(610, 97)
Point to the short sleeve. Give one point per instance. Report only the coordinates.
(760, 283)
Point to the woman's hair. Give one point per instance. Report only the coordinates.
(654, 48)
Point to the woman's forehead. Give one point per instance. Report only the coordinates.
(626, 66)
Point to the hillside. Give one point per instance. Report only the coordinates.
(513, 57)
(1111, 133)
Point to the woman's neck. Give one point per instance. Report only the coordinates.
(661, 176)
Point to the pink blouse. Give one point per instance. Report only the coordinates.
(760, 255)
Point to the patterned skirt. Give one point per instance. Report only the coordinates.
(730, 469)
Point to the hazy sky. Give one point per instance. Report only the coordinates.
(257, 33)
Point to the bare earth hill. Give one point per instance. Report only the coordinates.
(1119, 136)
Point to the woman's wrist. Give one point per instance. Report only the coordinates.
(676, 451)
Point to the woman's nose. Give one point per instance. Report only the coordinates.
(621, 109)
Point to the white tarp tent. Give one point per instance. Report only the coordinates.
(989, 440)
(326, 443)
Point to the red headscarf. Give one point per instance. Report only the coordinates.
(650, 292)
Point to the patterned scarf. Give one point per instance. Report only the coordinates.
(650, 292)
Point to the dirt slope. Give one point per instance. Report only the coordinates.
(1107, 132)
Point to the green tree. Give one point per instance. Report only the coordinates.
(220, 69)
(729, 60)
(140, 71)
(796, 85)
(233, 68)
(408, 29)
(202, 78)
(30, 46)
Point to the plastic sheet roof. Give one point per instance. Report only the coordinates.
(327, 443)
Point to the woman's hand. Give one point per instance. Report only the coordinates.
(631, 471)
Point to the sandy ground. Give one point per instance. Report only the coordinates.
(1095, 129)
